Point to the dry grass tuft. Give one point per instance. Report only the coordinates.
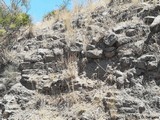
(71, 72)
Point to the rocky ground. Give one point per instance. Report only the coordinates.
(105, 68)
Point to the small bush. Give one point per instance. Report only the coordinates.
(11, 16)
(12, 22)
(22, 19)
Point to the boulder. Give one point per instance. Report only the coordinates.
(49, 58)
(110, 39)
(20, 91)
(38, 65)
(146, 62)
(119, 29)
(141, 108)
(58, 51)
(152, 65)
(90, 47)
(76, 48)
(43, 52)
(16, 100)
(2, 89)
(96, 53)
(128, 110)
(148, 20)
(118, 73)
(33, 58)
(25, 65)
(28, 83)
(155, 26)
(123, 40)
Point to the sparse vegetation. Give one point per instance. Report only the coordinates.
(12, 18)
(83, 64)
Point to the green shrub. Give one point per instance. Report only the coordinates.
(11, 18)
(22, 19)
(12, 22)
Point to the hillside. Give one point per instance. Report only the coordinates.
(101, 64)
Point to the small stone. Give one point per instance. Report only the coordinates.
(43, 52)
(27, 71)
(141, 109)
(105, 13)
(58, 51)
(155, 26)
(125, 62)
(152, 65)
(96, 53)
(2, 107)
(46, 77)
(25, 76)
(15, 47)
(6, 114)
(38, 65)
(120, 82)
(110, 54)
(90, 47)
(26, 48)
(2, 89)
(25, 65)
(40, 37)
(29, 84)
(120, 27)
(148, 20)
(118, 73)
(33, 58)
(49, 58)
(110, 39)
(131, 32)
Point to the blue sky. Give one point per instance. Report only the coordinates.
(39, 8)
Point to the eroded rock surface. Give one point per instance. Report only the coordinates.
(107, 72)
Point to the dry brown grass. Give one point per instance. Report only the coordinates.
(78, 8)
(71, 72)
(81, 8)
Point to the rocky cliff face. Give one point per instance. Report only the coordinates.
(106, 69)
